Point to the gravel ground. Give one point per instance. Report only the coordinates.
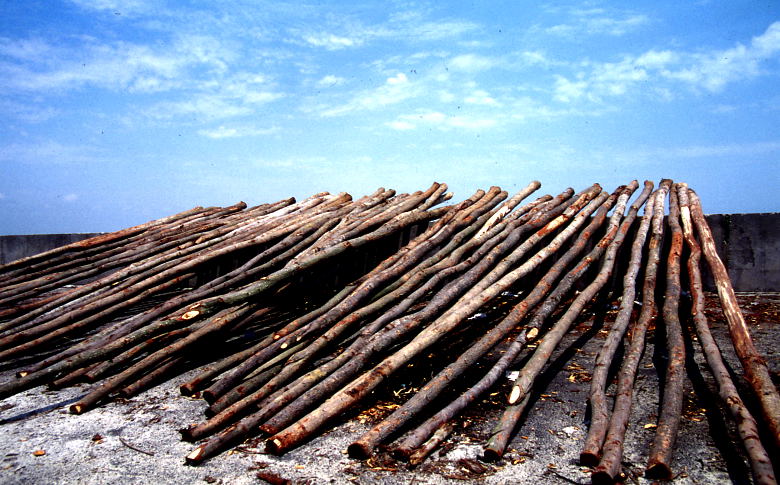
(136, 441)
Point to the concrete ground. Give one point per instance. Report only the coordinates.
(136, 441)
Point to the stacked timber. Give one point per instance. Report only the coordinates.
(295, 312)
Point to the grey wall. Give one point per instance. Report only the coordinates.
(749, 245)
(17, 247)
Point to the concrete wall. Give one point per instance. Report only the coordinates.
(749, 245)
(17, 247)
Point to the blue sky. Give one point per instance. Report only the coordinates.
(113, 113)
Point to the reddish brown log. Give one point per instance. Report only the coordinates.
(591, 450)
(659, 464)
(760, 463)
(609, 466)
(753, 363)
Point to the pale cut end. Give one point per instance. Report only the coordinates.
(190, 315)
(284, 345)
(195, 456)
(514, 395)
(76, 409)
(22, 373)
(532, 333)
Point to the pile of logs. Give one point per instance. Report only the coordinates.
(295, 312)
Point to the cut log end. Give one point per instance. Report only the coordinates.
(658, 471)
(22, 374)
(274, 446)
(601, 477)
(77, 409)
(588, 458)
(359, 451)
(195, 457)
(403, 454)
(209, 396)
(490, 455)
(186, 434)
(514, 395)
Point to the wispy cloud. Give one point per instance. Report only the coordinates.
(35, 65)
(593, 21)
(330, 80)
(435, 119)
(714, 70)
(236, 131)
(655, 69)
(396, 89)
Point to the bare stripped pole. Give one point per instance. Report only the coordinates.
(488, 288)
(591, 451)
(496, 445)
(753, 363)
(357, 355)
(362, 447)
(760, 463)
(612, 452)
(210, 306)
(659, 464)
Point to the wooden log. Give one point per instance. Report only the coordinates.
(612, 451)
(760, 463)
(484, 344)
(496, 445)
(476, 297)
(591, 450)
(659, 465)
(753, 363)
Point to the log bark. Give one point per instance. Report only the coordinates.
(591, 451)
(760, 463)
(470, 302)
(659, 464)
(544, 349)
(754, 365)
(362, 447)
(609, 466)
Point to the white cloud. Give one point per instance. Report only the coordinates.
(208, 107)
(481, 97)
(331, 80)
(42, 67)
(396, 89)
(236, 131)
(713, 71)
(331, 42)
(440, 121)
(471, 63)
(598, 21)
